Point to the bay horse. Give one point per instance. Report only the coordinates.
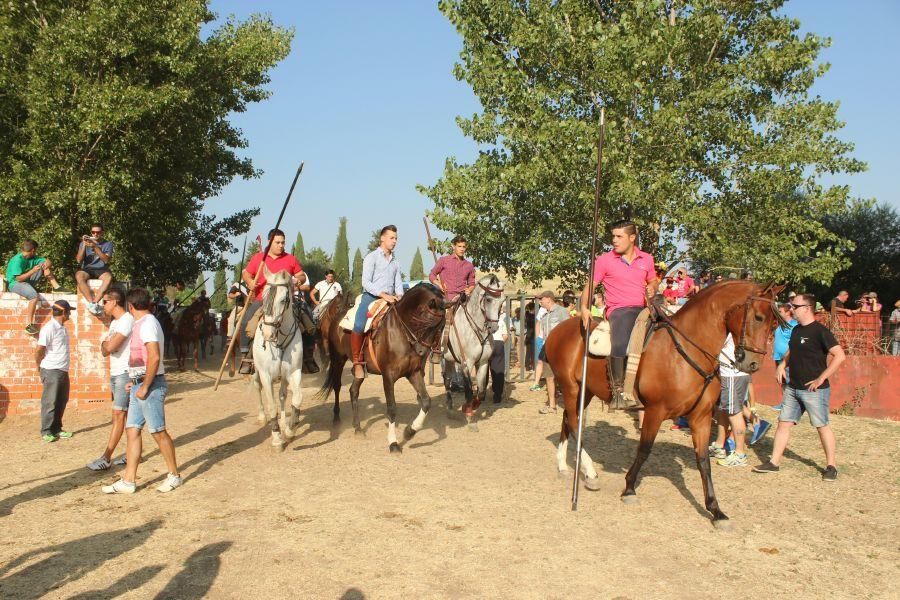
(187, 333)
(470, 342)
(278, 354)
(408, 332)
(677, 375)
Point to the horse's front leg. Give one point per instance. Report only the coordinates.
(196, 356)
(268, 390)
(701, 423)
(417, 379)
(391, 412)
(448, 380)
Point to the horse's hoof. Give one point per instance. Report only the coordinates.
(336, 422)
(473, 427)
(395, 448)
(298, 405)
(592, 483)
(630, 499)
(408, 433)
(564, 474)
(359, 432)
(723, 525)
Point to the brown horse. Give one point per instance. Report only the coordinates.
(678, 372)
(187, 333)
(408, 332)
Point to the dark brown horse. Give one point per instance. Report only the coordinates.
(678, 373)
(187, 333)
(408, 332)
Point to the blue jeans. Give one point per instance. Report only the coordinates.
(816, 404)
(359, 324)
(150, 410)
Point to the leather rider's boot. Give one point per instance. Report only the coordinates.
(617, 385)
(356, 354)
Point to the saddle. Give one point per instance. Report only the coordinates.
(376, 312)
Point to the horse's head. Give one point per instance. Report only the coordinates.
(276, 301)
(489, 295)
(750, 324)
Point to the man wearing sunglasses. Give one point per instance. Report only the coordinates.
(94, 254)
(813, 356)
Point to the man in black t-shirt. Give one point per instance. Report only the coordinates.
(839, 304)
(813, 356)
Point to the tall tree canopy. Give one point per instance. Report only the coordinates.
(417, 268)
(340, 261)
(219, 298)
(298, 250)
(356, 281)
(317, 262)
(118, 112)
(710, 126)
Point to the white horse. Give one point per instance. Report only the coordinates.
(278, 354)
(470, 342)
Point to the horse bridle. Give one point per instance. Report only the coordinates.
(741, 348)
(278, 323)
(488, 291)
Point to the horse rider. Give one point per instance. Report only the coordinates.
(628, 275)
(380, 279)
(456, 277)
(324, 292)
(276, 260)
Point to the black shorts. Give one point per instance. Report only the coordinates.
(95, 273)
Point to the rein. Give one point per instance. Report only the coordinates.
(425, 324)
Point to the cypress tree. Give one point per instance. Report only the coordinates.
(417, 269)
(357, 272)
(340, 260)
(298, 251)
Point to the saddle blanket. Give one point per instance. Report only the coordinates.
(600, 342)
(375, 309)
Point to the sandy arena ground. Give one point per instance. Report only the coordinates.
(459, 514)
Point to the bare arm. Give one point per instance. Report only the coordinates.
(109, 346)
(39, 353)
(152, 367)
(586, 296)
(835, 357)
(79, 256)
(782, 367)
(314, 296)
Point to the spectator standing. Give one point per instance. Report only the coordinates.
(147, 389)
(538, 349)
(813, 356)
(23, 272)
(895, 321)
(874, 304)
(52, 358)
(116, 347)
(685, 286)
(839, 304)
(554, 315)
(735, 385)
(498, 358)
(93, 257)
(783, 337)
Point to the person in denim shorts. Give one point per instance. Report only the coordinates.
(117, 347)
(808, 368)
(148, 389)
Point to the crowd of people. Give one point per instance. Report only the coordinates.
(806, 353)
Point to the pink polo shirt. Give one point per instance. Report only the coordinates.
(625, 284)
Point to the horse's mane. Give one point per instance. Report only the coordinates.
(699, 301)
(414, 294)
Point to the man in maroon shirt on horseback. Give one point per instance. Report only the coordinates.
(628, 276)
(453, 273)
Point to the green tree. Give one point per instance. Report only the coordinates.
(219, 298)
(417, 269)
(119, 112)
(375, 240)
(710, 125)
(340, 261)
(356, 286)
(297, 250)
(874, 253)
(317, 262)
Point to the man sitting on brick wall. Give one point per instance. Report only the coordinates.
(93, 256)
(23, 272)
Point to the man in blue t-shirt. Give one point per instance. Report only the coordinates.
(783, 337)
(94, 254)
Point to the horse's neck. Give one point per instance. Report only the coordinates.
(712, 318)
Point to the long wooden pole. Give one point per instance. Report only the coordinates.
(587, 330)
(240, 317)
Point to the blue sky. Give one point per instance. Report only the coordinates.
(368, 100)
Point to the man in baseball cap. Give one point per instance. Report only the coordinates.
(52, 358)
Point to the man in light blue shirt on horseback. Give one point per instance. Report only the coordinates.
(380, 279)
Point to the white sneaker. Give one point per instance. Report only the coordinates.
(100, 464)
(171, 482)
(119, 487)
(120, 461)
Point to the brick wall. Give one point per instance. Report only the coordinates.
(20, 384)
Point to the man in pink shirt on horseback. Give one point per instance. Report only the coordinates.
(628, 276)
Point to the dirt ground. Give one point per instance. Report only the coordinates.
(459, 514)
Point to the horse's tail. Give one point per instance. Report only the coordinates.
(332, 381)
(332, 361)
